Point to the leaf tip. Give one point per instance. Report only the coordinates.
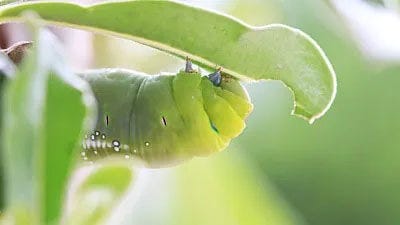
(301, 112)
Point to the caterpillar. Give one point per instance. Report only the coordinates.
(164, 119)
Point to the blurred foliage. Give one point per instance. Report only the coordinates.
(99, 193)
(131, 55)
(6, 71)
(381, 2)
(43, 114)
(255, 12)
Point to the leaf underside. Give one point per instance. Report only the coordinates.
(273, 52)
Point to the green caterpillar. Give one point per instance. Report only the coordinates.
(164, 119)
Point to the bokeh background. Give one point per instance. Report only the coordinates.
(344, 169)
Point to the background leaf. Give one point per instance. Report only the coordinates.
(44, 111)
(273, 52)
(7, 70)
(98, 195)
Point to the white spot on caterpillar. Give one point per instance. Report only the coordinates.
(147, 144)
(95, 152)
(92, 137)
(126, 156)
(116, 143)
(116, 149)
(83, 153)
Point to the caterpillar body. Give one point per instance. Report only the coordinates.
(164, 119)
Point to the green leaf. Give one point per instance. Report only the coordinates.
(98, 195)
(276, 52)
(45, 107)
(7, 70)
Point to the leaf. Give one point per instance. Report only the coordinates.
(45, 107)
(97, 196)
(276, 52)
(7, 70)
